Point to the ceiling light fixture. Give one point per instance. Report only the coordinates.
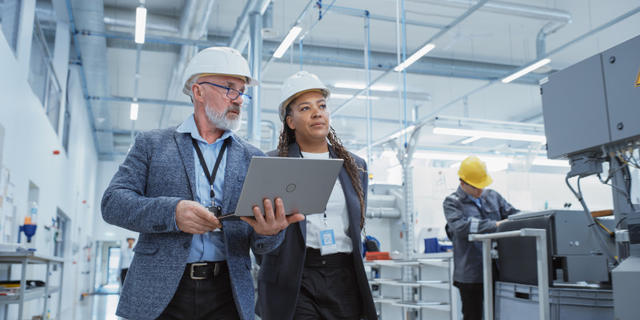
(490, 134)
(542, 161)
(360, 86)
(348, 96)
(469, 140)
(526, 70)
(288, 40)
(414, 57)
(141, 23)
(133, 111)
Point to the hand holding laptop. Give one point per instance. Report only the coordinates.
(270, 222)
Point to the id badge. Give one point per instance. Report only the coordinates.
(327, 242)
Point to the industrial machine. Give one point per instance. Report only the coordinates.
(592, 117)
(574, 255)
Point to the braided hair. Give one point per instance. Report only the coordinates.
(287, 136)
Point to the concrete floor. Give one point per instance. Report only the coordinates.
(96, 307)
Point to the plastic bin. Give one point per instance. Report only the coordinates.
(520, 301)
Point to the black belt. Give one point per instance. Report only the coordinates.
(314, 259)
(205, 270)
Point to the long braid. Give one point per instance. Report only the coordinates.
(287, 137)
(352, 169)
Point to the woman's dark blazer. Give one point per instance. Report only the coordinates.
(280, 274)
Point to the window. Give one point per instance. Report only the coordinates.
(60, 229)
(42, 78)
(9, 21)
(67, 118)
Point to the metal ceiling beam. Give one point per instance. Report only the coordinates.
(358, 13)
(240, 37)
(155, 38)
(161, 102)
(424, 120)
(432, 39)
(509, 8)
(91, 54)
(352, 58)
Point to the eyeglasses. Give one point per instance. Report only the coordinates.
(232, 93)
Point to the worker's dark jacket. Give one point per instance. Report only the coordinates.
(281, 270)
(465, 217)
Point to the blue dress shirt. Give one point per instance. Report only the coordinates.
(208, 246)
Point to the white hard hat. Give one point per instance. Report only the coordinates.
(300, 82)
(217, 61)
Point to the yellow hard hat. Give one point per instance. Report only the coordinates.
(474, 172)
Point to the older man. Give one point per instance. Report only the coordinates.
(472, 209)
(174, 186)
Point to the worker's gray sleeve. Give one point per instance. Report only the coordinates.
(124, 203)
(462, 225)
(506, 209)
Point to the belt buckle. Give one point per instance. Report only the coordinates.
(200, 264)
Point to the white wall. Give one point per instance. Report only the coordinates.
(66, 181)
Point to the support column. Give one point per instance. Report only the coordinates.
(255, 57)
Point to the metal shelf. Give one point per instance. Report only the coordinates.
(439, 284)
(427, 290)
(385, 300)
(30, 294)
(29, 256)
(392, 263)
(22, 294)
(441, 306)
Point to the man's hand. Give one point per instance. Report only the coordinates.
(270, 223)
(498, 223)
(192, 217)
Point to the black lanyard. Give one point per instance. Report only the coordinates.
(210, 176)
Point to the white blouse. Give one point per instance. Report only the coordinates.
(336, 216)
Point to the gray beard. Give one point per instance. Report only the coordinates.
(220, 120)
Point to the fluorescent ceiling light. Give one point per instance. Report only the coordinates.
(469, 140)
(401, 132)
(133, 112)
(348, 96)
(288, 40)
(526, 70)
(494, 163)
(439, 155)
(490, 134)
(414, 57)
(360, 86)
(141, 22)
(541, 161)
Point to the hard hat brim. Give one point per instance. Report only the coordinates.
(285, 103)
(248, 81)
(482, 184)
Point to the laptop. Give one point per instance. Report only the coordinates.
(303, 184)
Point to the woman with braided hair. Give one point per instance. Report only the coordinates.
(317, 272)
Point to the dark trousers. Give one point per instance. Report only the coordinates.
(123, 274)
(329, 289)
(471, 295)
(209, 298)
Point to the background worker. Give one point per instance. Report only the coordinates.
(308, 277)
(126, 256)
(472, 209)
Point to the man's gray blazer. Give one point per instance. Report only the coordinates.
(158, 172)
